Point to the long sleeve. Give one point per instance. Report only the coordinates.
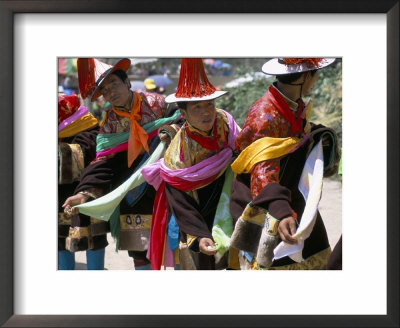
(187, 213)
(274, 198)
(195, 219)
(103, 176)
(75, 154)
(263, 120)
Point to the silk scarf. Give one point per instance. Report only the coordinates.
(264, 149)
(107, 207)
(103, 207)
(80, 121)
(137, 139)
(310, 186)
(109, 143)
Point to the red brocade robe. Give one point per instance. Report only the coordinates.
(273, 184)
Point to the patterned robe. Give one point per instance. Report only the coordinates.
(272, 184)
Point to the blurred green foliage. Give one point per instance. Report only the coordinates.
(239, 99)
(326, 96)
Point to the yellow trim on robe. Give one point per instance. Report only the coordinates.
(233, 260)
(103, 121)
(317, 261)
(256, 215)
(190, 239)
(176, 255)
(78, 162)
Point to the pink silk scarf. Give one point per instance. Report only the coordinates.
(82, 110)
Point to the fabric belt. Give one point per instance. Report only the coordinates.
(134, 234)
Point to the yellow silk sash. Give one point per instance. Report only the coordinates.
(261, 150)
(83, 123)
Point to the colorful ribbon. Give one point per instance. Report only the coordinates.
(264, 149)
(110, 141)
(137, 139)
(80, 121)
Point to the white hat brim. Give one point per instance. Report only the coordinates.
(274, 67)
(171, 98)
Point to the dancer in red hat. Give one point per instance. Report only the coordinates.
(128, 135)
(279, 171)
(191, 209)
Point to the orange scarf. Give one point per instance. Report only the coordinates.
(137, 136)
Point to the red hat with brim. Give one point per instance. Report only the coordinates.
(193, 84)
(92, 73)
(123, 65)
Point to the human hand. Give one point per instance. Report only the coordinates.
(165, 138)
(207, 246)
(286, 229)
(72, 201)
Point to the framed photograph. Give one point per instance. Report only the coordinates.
(35, 34)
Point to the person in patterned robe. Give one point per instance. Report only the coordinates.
(122, 146)
(194, 179)
(78, 130)
(266, 203)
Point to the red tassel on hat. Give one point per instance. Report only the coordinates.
(309, 61)
(86, 76)
(193, 81)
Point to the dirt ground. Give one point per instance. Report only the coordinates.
(330, 208)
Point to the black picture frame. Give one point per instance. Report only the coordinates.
(7, 11)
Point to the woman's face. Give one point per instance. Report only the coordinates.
(200, 114)
(116, 91)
